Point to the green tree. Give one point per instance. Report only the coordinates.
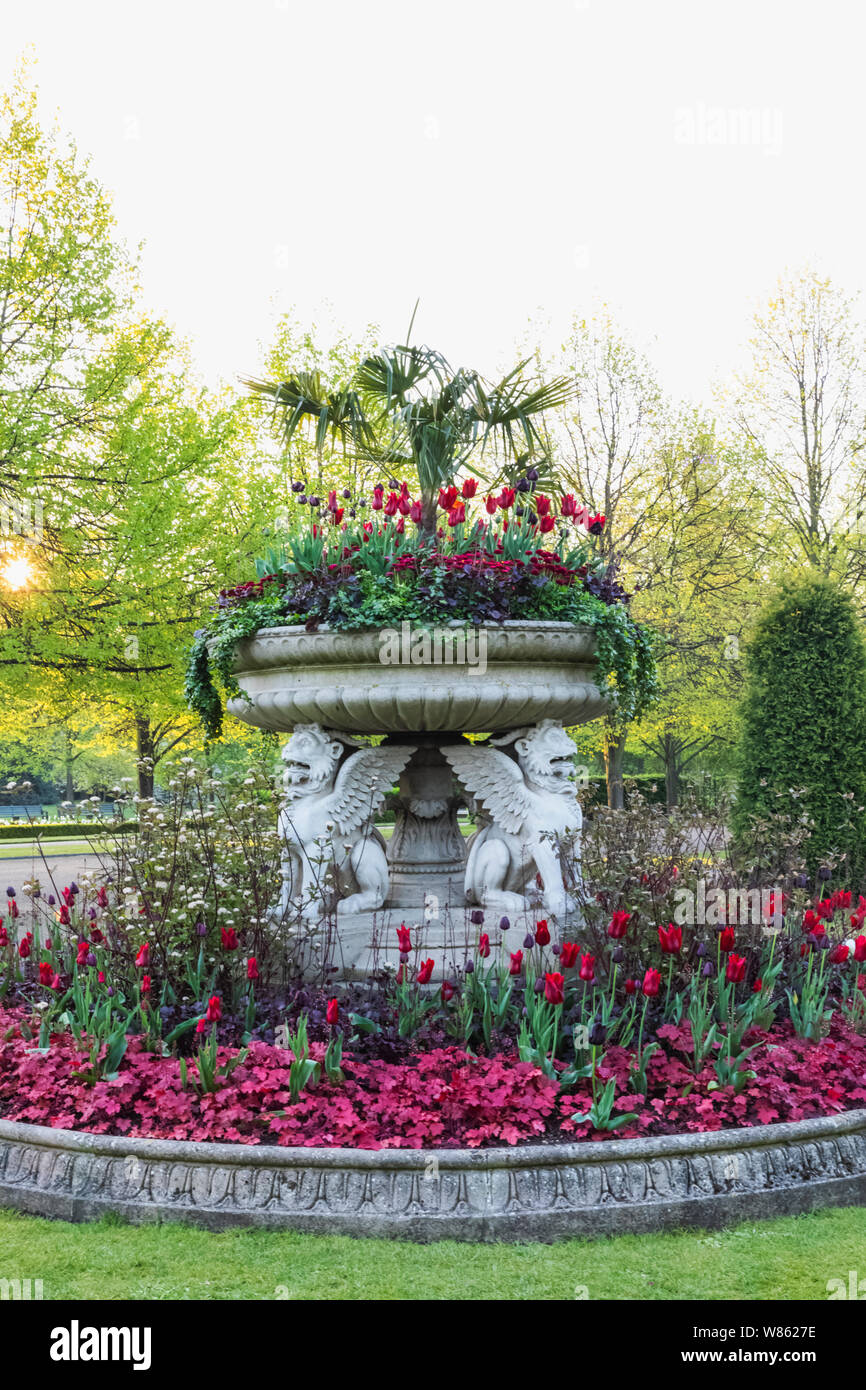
(64, 281)
(804, 720)
(802, 409)
(605, 440)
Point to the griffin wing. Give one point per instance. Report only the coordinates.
(362, 783)
(495, 780)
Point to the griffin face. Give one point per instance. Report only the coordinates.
(546, 758)
(311, 760)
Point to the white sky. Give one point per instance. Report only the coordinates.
(500, 160)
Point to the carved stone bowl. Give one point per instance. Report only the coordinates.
(534, 671)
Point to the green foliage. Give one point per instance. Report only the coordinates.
(804, 721)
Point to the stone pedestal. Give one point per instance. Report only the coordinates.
(426, 853)
(538, 680)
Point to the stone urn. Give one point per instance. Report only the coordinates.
(520, 683)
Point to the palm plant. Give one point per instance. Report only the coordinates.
(407, 408)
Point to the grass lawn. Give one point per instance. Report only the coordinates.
(791, 1258)
(28, 849)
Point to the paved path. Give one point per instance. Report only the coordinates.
(62, 868)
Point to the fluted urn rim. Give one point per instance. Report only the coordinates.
(326, 644)
(534, 670)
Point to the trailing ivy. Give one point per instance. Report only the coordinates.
(364, 601)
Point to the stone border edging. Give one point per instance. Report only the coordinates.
(539, 1192)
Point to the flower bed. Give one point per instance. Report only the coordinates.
(444, 1098)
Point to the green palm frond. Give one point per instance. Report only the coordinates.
(407, 407)
(339, 414)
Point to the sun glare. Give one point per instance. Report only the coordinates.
(16, 573)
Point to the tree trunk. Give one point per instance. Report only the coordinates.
(672, 754)
(145, 753)
(614, 750)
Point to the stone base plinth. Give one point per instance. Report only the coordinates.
(530, 1192)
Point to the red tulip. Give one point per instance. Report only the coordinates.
(860, 948)
(758, 986)
(425, 970)
(214, 1009)
(839, 954)
(229, 938)
(447, 991)
(102, 897)
(630, 986)
(542, 935)
(63, 915)
(651, 982)
(201, 1025)
(671, 939)
(619, 924)
(332, 1012)
(404, 939)
(553, 988)
(457, 514)
(4, 938)
(736, 969)
(569, 953)
(13, 909)
(542, 504)
(506, 498)
(568, 505)
(46, 972)
(587, 967)
(469, 488)
(145, 984)
(490, 505)
(516, 963)
(484, 945)
(727, 939)
(447, 497)
(546, 524)
(811, 921)
(861, 982)
(416, 511)
(83, 948)
(142, 960)
(101, 977)
(252, 968)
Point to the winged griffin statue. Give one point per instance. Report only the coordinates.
(331, 847)
(530, 803)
